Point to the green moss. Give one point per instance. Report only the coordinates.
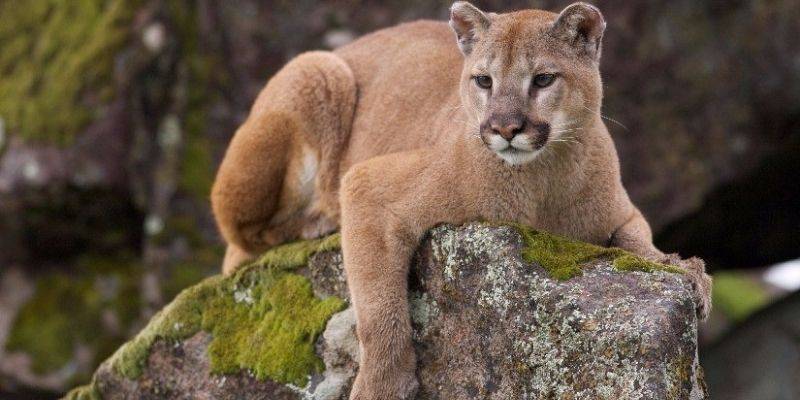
(563, 258)
(285, 313)
(263, 319)
(56, 66)
(630, 262)
(67, 310)
(296, 254)
(86, 392)
(737, 295)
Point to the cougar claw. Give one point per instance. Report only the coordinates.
(695, 269)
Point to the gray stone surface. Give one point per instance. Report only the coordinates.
(491, 326)
(340, 352)
(180, 371)
(487, 326)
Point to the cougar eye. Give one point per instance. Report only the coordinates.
(483, 81)
(544, 80)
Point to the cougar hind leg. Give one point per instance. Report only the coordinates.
(279, 177)
(234, 257)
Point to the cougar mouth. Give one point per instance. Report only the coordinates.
(514, 150)
(528, 142)
(522, 149)
(515, 155)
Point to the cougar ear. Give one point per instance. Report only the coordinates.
(581, 25)
(469, 23)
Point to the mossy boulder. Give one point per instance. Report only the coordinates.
(274, 329)
(264, 320)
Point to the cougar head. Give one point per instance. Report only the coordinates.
(530, 77)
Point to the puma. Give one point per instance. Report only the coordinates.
(413, 126)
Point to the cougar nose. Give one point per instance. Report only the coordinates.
(507, 126)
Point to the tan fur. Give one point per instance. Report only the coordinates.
(405, 139)
(264, 193)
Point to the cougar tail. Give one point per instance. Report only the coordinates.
(284, 159)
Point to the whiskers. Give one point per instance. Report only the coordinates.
(567, 133)
(565, 130)
(546, 156)
(607, 118)
(564, 134)
(567, 139)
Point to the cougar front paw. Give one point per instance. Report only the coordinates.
(695, 269)
(397, 386)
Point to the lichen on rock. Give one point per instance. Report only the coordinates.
(526, 333)
(263, 319)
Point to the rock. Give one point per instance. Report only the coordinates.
(488, 324)
(188, 377)
(340, 353)
(493, 327)
(707, 93)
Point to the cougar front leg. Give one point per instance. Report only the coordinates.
(636, 237)
(377, 251)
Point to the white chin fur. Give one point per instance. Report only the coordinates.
(497, 144)
(518, 154)
(517, 157)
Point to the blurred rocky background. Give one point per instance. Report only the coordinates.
(115, 113)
